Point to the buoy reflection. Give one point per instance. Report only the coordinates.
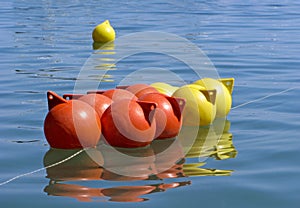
(85, 179)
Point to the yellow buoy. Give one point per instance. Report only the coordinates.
(200, 108)
(223, 97)
(104, 32)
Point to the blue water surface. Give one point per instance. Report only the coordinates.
(44, 44)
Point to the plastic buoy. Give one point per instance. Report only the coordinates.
(200, 108)
(167, 115)
(127, 123)
(140, 89)
(71, 124)
(223, 97)
(164, 88)
(104, 32)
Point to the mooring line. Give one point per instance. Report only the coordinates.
(44, 168)
(262, 98)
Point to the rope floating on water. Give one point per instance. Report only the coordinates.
(262, 98)
(44, 168)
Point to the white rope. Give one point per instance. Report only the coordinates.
(262, 98)
(44, 168)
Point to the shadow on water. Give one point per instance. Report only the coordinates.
(145, 174)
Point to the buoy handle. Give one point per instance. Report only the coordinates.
(95, 92)
(123, 87)
(210, 95)
(229, 83)
(148, 107)
(72, 96)
(54, 100)
(177, 105)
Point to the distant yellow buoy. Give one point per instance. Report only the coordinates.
(104, 32)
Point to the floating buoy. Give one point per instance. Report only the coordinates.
(127, 123)
(167, 115)
(71, 124)
(223, 96)
(164, 88)
(104, 32)
(200, 108)
(133, 116)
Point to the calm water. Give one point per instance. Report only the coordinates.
(45, 43)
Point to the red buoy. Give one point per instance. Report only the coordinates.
(128, 123)
(168, 114)
(71, 124)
